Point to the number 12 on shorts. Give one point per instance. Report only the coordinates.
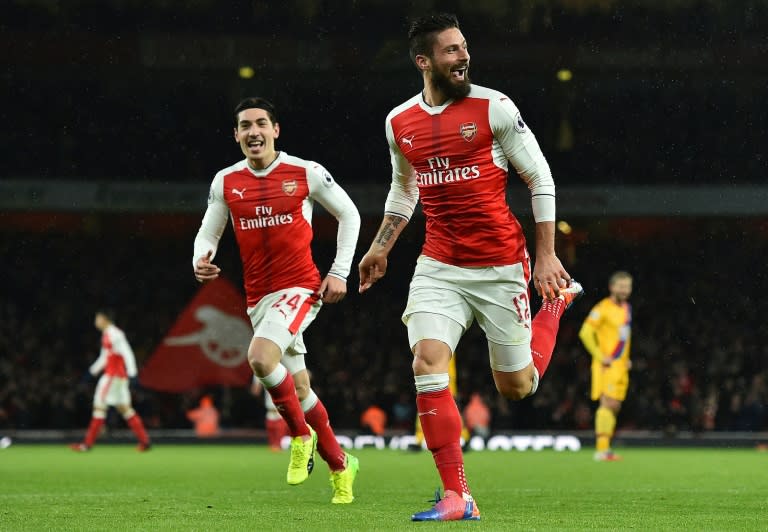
(523, 309)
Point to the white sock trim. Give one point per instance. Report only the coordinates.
(535, 385)
(309, 402)
(431, 383)
(274, 378)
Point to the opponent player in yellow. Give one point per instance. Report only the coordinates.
(606, 334)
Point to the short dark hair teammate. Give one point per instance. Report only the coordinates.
(268, 196)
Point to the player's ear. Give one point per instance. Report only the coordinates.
(277, 129)
(423, 62)
(234, 134)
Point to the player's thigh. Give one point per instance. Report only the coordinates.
(500, 303)
(424, 328)
(283, 315)
(435, 291)
(101, 391)
(116, 392)
(512, 359)
(596, 391)
(616, 383)
(294, 362)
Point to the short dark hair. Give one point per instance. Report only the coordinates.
(256, 102)
(421, 33)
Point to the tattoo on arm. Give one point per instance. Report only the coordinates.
(388, 229)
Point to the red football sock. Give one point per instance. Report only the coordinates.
(327, 445)
(93, 430)
(544, 332)
(441, 423)
(137, 426)
(276, 429)
(287, 403)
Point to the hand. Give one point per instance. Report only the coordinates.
(549, 276)
(332, 290)
(372, 267)
(205, 270)
(607, 361)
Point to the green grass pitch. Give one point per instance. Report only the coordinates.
(240, 487)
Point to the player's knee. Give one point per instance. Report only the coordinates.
(263, 356)
(430, 357)
(421, 366)
(514, 392)
(516, 385)
(610, 403)
(302, 390)
(514, 389)
(258, 364)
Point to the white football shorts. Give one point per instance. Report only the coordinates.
(111, 391)
(442, 295)
(282, 317)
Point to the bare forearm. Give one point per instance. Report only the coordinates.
(387, 235)
(545, 238)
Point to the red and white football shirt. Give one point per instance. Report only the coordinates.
(271, 213)
(457, 154)
(116, 357)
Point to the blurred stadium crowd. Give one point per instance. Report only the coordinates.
(699, 347)
(149, 96)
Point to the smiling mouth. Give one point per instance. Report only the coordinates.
(255, 144)
(459, 73)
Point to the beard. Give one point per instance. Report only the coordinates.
(452, 89)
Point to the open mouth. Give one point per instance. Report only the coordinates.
(459, 73)
(256, 144)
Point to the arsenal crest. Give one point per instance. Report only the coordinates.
(289, 187)
(468, 130)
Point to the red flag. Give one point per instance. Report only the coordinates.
(207, 345)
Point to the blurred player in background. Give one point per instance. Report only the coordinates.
(269, 196)
(205, 418)
(118, 363)
(606, 334)
(274, 423)
(450, 146)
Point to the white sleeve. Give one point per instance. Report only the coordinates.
(522, 150)
(98, 366)
(335, 200)
(214, 221)
(403, 192)
(121, 346)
